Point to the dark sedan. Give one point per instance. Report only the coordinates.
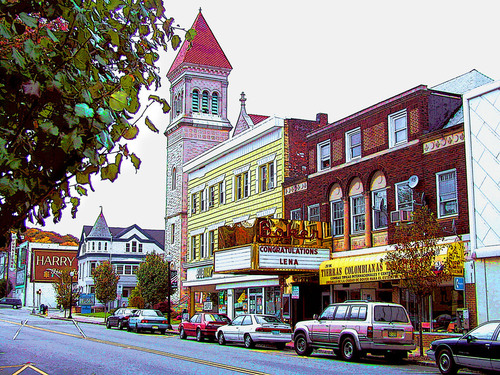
(478, 349)
(120, 318)
(202, 325)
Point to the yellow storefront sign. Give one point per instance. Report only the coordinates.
(370, 267)
(356, 269)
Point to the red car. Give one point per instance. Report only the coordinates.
(202, 325)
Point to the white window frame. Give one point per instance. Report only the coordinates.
(448, 197)
(242, 190)
(211, 196)
(203, 245)
(357, 227)
(311, 215)
(296, 214)
(337, 222)
(193, 247)
(378, 210)
(407, 205)
(222, 192)
(267, 176)
(324, 160)
(211, 243)
(204, 200)
(349, 146)
(393, 132)
(194, 199)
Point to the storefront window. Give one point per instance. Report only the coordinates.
(273, 301)
(256, 305)
(223, 302)
(240, 302)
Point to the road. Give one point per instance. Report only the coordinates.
(49, 346)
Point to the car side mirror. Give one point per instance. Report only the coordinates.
(316, 317)
(469, 338)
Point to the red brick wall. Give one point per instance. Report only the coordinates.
(470, 303)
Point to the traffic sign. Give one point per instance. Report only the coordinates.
(459, 283)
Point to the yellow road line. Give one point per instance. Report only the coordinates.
(152, 351)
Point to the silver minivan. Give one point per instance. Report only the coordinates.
(355, 328)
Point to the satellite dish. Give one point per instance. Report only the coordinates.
(413, 181)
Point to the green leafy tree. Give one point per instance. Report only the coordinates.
(414, 259)
(152, 279)
(70, 76)
(63, 289)
(106, 282)
(136, 299)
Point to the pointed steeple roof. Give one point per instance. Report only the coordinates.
(203, 50)
(100, 230)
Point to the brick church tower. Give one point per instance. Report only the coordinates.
(198, 121)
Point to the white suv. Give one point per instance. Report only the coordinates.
(354, 328)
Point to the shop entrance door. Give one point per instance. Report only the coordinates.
(255, 301)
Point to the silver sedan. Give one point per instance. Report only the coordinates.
(255, 328)
(147, 319)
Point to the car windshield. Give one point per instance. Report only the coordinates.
(216, 318)
(129, 311)
(151, 313)
(390, 314)
(261, 319)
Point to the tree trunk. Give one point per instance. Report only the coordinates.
(420, 330)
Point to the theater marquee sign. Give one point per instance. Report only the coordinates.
(47, 264)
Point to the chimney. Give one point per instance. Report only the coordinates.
(322, 118)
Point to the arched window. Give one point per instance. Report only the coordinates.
(204, 102)
(337, 210)
(378, 189)
(196, 101)
(215, 103)
(174, 178)
(357, 206)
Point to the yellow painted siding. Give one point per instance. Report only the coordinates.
(232, 208)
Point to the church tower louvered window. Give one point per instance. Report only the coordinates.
(196, 101)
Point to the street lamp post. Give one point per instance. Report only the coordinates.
(168, 258)
(71, 274)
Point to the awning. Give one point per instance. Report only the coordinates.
(355, 269)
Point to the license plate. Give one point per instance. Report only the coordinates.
(154, 327)
(392, 333)
(276, 332)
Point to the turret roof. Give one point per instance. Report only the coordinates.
(100, 230)
(203, 50)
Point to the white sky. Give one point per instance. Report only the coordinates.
(297, 58)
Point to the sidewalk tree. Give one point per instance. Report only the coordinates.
(413, 260)
(106, 283)
(70, 76)
(152, 279)
(63, 289)
(136, 299)
(5, 287)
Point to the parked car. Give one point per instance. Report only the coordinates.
(147, 319)
(15, 303)
(354, 328)
(478, 349)
(120, 318)
(202, 325)
(251, 329)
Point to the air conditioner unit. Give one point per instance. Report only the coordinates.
(400, 215)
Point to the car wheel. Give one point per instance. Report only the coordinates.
(249, 344)
(348, 349)
(199, 335)
(221, 339)
(108, 324)
(163, 331)
(129, 328)
(446, 363)
(136, 329)
(301, 345)
(182, 334)
(120, 324)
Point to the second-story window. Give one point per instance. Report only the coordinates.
(313, 213)
(358, 213)
(337, 217)
(242, 185)
(134, 246)
(203, 200)
(404, 196)
(140, 247)
(323, 152)
(296, 214)
(127, 247)
(211, 243)
(266, 176)
(203, 246)
(398, 131)
(353, 144)
(193, 247)
(447, 193)
(194, 202)
(379, 209)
